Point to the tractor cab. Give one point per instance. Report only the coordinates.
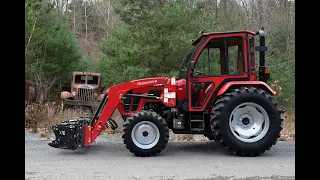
(218, 59)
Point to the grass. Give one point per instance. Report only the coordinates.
(40, 118)
(288, 132)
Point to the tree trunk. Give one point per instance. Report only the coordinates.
(204, 13)
(216, 9)
(108, 17)
(85, 18)
(45, 95)
(225, 8)
(33, 28)
(260, 10)
(74, 17)
(37, 88)
(66, 6)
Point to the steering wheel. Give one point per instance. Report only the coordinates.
(184, 69)
(200, 73)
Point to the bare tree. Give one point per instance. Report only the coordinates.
(74, 18)
(32, 31)
(86, 22)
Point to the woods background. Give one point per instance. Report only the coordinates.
(131, 39)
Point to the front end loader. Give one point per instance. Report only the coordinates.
(71, 134)
(219, 93)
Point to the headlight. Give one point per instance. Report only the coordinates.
(73, 93)
(95, 95)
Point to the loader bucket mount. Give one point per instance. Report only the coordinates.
(71, 134)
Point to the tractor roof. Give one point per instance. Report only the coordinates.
(85, 73)
(217, 33)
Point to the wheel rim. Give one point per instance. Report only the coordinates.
(249, 122)
(145, 135)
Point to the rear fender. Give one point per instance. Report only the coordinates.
(65, 95)
(229, 85)
(258, 84)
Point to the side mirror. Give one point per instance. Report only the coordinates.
(192, 65)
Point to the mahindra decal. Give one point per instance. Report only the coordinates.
(147, 82)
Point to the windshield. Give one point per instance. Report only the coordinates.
(80, 79)
(93, 80)
(184, 64)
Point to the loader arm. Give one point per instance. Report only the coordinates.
(72, 133)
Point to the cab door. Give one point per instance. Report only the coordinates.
(219, 59)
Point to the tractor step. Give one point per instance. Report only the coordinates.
(69, 134)
(197, 124)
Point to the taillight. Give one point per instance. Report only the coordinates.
(267, 71)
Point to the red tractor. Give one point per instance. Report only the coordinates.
(219, 93)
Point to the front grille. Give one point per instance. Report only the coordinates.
(85, 94)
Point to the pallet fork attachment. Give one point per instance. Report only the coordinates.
(71, 134)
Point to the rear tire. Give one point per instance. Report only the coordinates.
(207, 131)
(246, 121)
(209, 135)
(145, 133)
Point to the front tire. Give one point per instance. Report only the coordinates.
(145, 133)
(247, 121)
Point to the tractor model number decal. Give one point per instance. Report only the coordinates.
(147, 82)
